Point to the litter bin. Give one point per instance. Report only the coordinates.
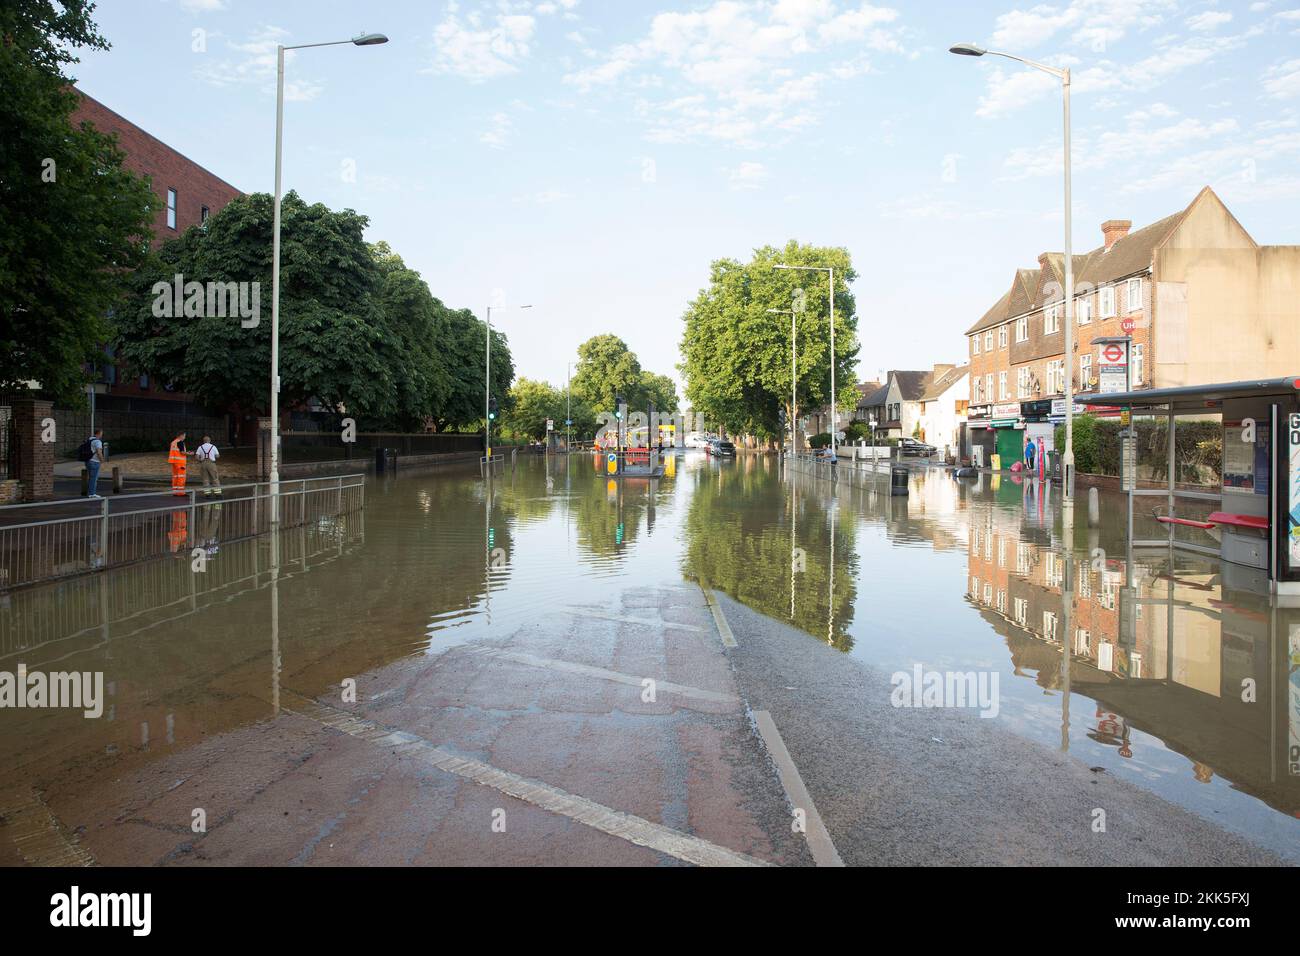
(898, 476)
(995, 462)
(1054, 464)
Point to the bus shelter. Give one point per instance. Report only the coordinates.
(1255, 514)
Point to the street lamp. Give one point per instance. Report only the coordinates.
(487, 389)
(365, 39)
(794, 414)
(835, 411)
(1067, 464)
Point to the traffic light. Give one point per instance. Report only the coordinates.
(492, 409)
(618, 407)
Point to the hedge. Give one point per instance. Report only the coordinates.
(1198, 448)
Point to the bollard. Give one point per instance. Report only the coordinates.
(1094, 507)
(85, 482)
(117, 480)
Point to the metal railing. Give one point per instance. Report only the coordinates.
(866, 472)
(50, 549)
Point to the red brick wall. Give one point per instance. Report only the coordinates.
(166, 169)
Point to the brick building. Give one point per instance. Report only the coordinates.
(1200, 299)
(126, 403)
(188, 192)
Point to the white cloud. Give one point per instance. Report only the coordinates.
(203, 6)
(739, 70)
(1283, 80)
(255, 62)
(499, 132)
(478, 51)
(1091, 23)
(1209, 21)
(748, 175)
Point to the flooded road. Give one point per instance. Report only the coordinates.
(958, 576)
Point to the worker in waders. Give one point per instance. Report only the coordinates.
(176, 458)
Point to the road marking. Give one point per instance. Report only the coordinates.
(586, 670)
(644, 621)
(626, 826)
(819, 839)
(38, 835)
(724, 629)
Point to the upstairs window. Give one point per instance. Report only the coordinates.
(1133, 297)
(988, 341)
(171, 209)
(1084, 308)
(1052, 318)
(1022, 329)
(975, 345)
(1106, 302)
(1002, 337)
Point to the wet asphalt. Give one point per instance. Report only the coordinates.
(946, 787)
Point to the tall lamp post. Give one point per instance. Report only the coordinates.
(365, 39)
(835, 410)
(1067, 463)
(487, 390)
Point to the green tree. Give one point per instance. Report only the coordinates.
(661, 390)
(73, 222)
(608, 368)
(736, 354)
(463, 344)
(531, 404)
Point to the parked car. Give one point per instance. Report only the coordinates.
(720, 448)
(912, 447)
(696, 440)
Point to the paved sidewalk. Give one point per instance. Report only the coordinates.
(542, 746)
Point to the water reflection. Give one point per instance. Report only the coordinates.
(1168, 671)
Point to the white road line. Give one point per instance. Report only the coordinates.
(644, 621)
(626, 826)
(39, 836)
(819, 840)
(724, 629)
(586, 670)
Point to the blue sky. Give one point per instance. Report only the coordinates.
(592, 157)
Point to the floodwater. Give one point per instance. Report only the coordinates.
(1170, 672)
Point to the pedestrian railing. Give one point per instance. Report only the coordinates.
(865, 473)
(118, 533)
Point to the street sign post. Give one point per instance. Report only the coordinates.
(1113, 371)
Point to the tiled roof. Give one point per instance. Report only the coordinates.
(944, 382)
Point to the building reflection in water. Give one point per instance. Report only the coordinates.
(1209, 668)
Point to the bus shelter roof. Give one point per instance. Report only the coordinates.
(1194, 398)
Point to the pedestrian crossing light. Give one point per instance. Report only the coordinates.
(618, 407)
(492, 410)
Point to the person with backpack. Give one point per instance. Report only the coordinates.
(91, 454)
(206, 455)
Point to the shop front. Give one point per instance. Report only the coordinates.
(1009, 435)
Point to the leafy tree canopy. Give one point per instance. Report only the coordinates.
(359, 331)
(736, 354)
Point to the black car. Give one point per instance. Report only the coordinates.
(919, 449)
(723, 449)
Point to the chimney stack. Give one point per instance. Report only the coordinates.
(1113, 230)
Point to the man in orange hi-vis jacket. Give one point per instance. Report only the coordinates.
(176, 458)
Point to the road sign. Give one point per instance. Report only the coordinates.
(550, 424)
(1128, 325)
(1114, 354)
